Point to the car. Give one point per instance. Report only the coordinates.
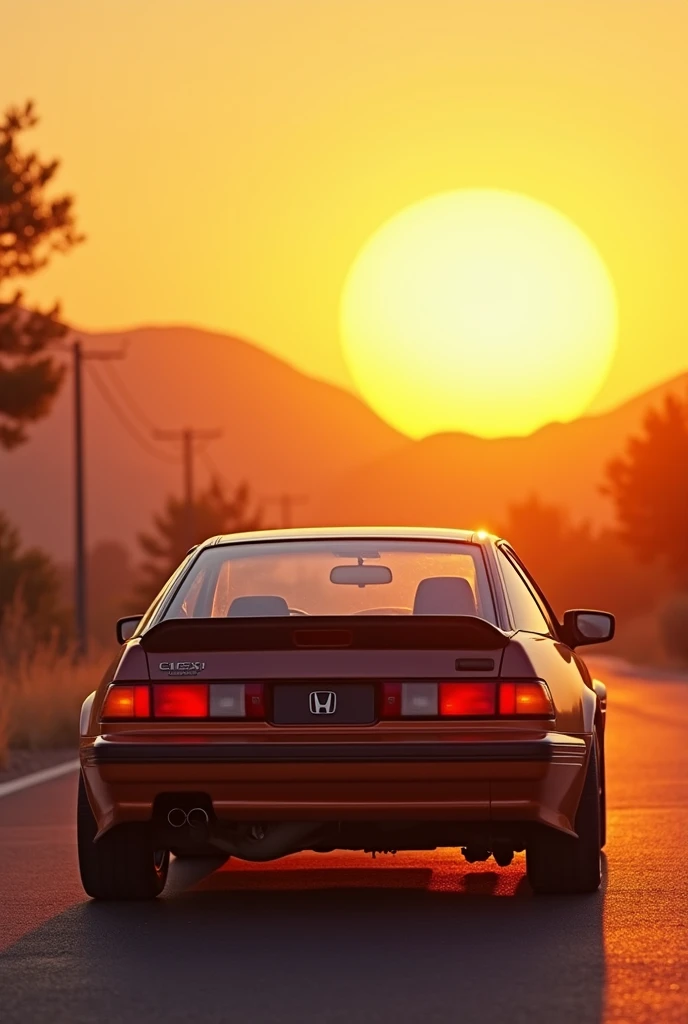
(373, 689)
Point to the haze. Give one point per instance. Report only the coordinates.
(230, 159)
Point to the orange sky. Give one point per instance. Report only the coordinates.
(230, 157)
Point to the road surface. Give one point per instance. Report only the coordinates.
(342, 939)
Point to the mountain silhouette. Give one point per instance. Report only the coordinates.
(283, 432)
(462, 480)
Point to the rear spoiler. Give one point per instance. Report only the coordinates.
(369, 632)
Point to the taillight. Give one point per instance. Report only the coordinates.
(185, 700)
(180, 700)
(237, 700)
(418, 700)
(525, 698)
(254, 700)
(467, 699)
(127, 702)
(390, 704)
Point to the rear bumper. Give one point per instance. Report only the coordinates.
(536, 780)
(107, 752)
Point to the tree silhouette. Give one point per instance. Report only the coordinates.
(214, 512)
(29, 587)
(33, 226)
(649, 487)
(577, 566)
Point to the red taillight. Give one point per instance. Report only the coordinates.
(525, 698)
(390, 702)
(254, 700)
(127, 702)
(467, 699)
(180, 700)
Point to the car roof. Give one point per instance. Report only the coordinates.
(354, 532)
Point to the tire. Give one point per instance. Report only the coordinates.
(122, 864)
(561, 864)
(603, 797)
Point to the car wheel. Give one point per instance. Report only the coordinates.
(557, 863)
(122, 864)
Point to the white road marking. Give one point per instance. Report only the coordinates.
(35, 778)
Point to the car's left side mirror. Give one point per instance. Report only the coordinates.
(126, 627)
(583, 626)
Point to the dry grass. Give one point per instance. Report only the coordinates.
(41, 690)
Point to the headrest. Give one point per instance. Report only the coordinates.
(258, 605)
(444, 595)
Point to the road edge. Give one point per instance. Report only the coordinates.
(36, 778)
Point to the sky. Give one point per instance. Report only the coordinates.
(231, 157)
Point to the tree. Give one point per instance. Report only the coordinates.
(213, 513)
(29, 591)
(109, 573)
(649, 487)
(578, 567)
(33, 226)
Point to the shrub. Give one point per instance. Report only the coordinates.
(42, 687)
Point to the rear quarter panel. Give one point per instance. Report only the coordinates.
(565, 673)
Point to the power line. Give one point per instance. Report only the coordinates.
(286, 503)
(130, 427)
(210, 463)
(134, 408)
(188, 437)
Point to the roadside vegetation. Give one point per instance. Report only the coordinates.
(639, 568)
(41, 693)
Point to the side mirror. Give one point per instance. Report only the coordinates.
(126, 627)
(583, 626)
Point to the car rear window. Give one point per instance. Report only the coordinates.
(335, 577)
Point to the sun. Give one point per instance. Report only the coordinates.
(479, 311)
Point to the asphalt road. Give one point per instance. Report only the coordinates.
(340, 939)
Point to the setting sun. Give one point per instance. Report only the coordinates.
(478, 311)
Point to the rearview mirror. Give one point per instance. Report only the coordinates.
(583, 626)
(361, 575)
(126, 627)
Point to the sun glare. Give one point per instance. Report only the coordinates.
(478, 311)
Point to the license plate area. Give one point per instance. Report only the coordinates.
(323, 704)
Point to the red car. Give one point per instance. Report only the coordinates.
(366, 689)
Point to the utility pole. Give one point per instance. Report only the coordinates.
(188, 438)
(80, 615)
(80, 568)
(286, 503)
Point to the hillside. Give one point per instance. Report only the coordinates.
(284, 432)
(460, 480)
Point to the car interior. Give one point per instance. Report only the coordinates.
(435, 595)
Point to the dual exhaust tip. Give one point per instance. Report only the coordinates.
(197, 817)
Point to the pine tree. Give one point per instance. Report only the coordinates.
(33, 226)
(649, 487)
(214, 512)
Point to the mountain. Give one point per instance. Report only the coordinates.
(460, 480)
(283, 432)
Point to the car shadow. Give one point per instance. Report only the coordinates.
(339, 945)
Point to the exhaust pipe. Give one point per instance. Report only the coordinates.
(177, 817)
(197, 817)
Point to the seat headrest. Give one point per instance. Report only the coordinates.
(258, 605)
(444, 595)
